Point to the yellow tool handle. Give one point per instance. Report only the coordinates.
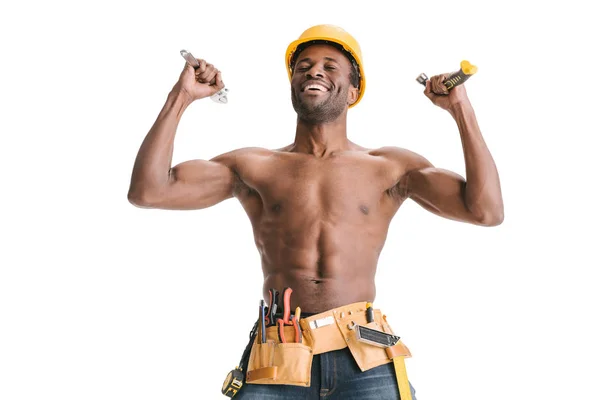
(402, 378)
(459, 77)
(456, 78)
(467, 68)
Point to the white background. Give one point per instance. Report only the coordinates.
(102, 300)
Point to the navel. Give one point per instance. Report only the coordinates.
(364, 209)
(276, 207)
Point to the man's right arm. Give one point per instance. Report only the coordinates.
(189, 185)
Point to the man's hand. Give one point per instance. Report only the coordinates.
(436, 91)
(199, 83)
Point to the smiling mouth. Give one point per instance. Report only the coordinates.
(315, 87)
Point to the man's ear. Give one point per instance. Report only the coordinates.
(352, 95)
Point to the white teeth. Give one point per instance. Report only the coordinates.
(318, 87)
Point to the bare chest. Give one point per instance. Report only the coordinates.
(340, 187)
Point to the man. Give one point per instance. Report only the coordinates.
(320, 207)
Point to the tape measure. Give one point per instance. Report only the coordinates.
(233, 382)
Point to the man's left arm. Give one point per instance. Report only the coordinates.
(478, 199)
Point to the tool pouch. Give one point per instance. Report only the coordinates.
(280, 363)
(338, 332)
(366, 355)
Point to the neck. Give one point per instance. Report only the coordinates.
(321, 139)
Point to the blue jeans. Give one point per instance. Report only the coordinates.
(334, 376)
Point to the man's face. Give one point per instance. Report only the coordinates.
(321, 89)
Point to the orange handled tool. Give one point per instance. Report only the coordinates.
(287, 293)
(288, 319)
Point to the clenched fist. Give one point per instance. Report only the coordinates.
(201, 82)
(439, 95)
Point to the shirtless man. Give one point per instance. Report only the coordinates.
(320, 207)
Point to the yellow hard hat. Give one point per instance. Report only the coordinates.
(335, 34)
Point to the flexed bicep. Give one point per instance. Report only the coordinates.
(440, 191)
(198, 184)
(190, 185)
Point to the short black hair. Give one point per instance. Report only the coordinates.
(354, 71)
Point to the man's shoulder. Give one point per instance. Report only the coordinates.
(259, 151)
(403, 159)
(395, 153)
(242, 153)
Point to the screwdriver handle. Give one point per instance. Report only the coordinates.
(370, 314)
(456, 78)
(459, 77)
(263, 328)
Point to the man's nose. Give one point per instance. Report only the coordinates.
(314, 71)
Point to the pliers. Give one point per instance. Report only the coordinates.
(270, 318)
(286, 320)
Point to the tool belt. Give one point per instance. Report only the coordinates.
(277, 362)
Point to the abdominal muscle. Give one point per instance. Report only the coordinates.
(326, 265)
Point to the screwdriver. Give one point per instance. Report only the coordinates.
(456, 78)
(297, 316)
(370, 315)
(263, 329)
